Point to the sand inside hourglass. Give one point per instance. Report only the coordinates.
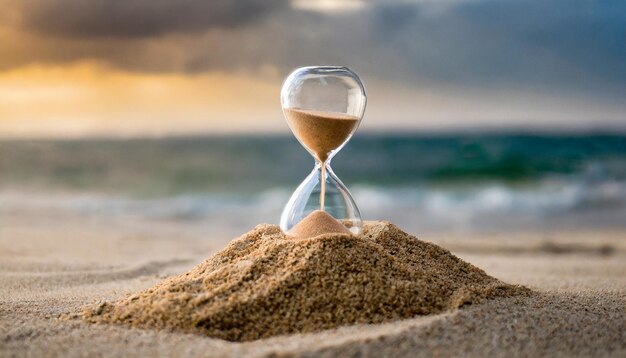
(321, 133)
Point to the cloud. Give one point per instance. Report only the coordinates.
(547, 45)
(138, 18)
(86, 99)
(533, 45)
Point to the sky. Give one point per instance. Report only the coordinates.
(73, 68)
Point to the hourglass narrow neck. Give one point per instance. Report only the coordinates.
(319, 163)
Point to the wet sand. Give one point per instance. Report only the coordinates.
(51, 268)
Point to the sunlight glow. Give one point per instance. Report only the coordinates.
(328, 6)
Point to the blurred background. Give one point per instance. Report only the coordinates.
(162, 117)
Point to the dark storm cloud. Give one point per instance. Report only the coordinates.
(557, 45)
(138, 18)
(541, 43)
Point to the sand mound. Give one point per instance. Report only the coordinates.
(264, 284)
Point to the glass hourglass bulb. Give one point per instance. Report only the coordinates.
(323, 107)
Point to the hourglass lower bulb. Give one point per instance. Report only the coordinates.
(323, 107)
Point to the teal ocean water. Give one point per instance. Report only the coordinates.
(439, 182)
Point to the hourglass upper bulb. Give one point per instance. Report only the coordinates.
(323, 107)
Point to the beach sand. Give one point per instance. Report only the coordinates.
(52, 267)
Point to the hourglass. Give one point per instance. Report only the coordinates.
(323, 107)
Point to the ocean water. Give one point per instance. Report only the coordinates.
(435, 182)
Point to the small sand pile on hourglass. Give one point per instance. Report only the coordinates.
(317, 223)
